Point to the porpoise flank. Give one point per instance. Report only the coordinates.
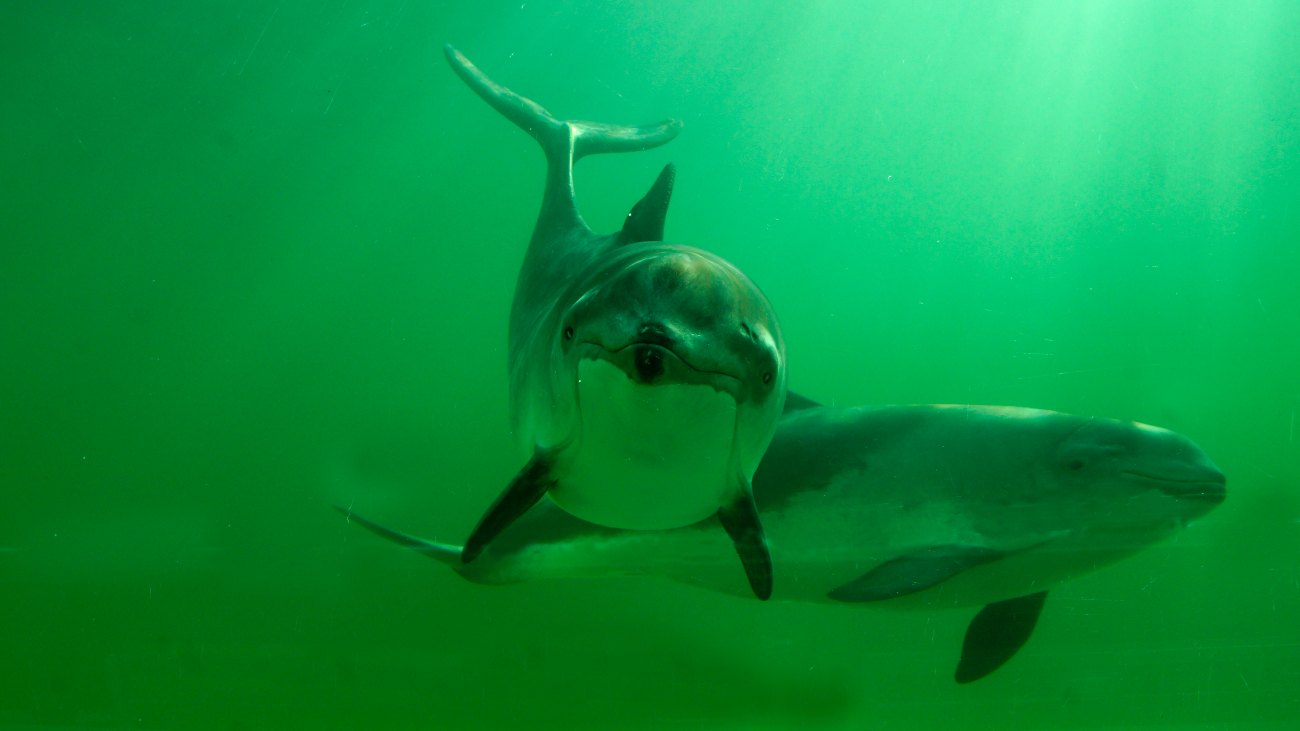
(646, 379)
(910, 507)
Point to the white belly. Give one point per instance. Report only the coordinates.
(647, 457)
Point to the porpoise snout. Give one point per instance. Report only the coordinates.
(652, 346)
(1196, 482)
(648, 361)
(1181, 470)
(650, 364)
(651, 357)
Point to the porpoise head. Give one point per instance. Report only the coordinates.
(674, 314)
(1162, 476)
(678, 358)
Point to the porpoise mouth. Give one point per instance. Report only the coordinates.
(1209, 486)
(651, 360)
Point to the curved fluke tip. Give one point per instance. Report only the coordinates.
(594, 138)
(446, 554)
(527, 114)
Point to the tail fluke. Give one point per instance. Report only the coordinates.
(449, 555)
(563, 141)
(581, 138)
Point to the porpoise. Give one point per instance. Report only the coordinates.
(646, 378)
(924, 506)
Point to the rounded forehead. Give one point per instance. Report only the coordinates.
(702, 275)
(694, 268)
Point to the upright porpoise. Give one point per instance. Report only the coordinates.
(646, 379)
(909, 507)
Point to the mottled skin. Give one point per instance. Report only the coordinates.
(698, 343)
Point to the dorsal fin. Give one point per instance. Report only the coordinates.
(645, 222)
(795, 402)
(563, 141)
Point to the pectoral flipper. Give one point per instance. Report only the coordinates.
(914, 572)
(740, 519)
(996, 634)
(522, 493)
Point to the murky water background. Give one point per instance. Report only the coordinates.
(257, 257)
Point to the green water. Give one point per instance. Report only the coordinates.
(256, 258)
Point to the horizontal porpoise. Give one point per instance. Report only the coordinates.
(928, 506)
(646, 378)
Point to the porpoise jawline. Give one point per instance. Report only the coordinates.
(656, 342)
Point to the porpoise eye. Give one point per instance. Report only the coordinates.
(568, 333)
(1076, 464)
(767, 378)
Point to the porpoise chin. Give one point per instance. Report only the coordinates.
(906, 507)
(646, 378)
